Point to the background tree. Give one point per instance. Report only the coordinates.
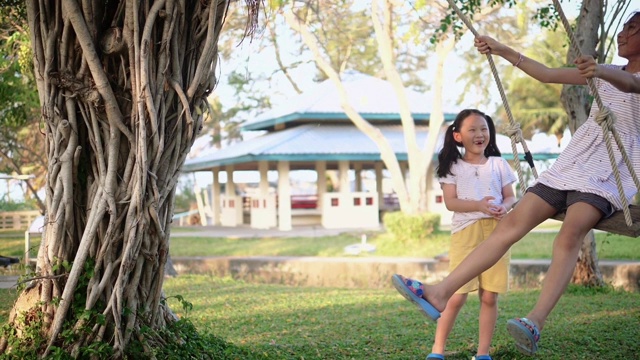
(252, 89)
(249, 98)
(122, 87)
(542, 112)
(223, 122)
(310, 26)
(21, 146)
(396, 37)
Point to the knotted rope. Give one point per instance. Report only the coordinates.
(605, 118)
(513, 131)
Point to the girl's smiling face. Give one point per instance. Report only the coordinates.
(474, 135)
(629, 38)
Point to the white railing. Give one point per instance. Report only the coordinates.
(17, 220)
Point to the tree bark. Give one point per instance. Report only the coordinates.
(575, 100)
(587, 271)
(415, 157)
(436, 120)
(123, 87)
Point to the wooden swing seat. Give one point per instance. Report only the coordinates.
(616, 223)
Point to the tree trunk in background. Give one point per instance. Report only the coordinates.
(575, 100)
(386, 151)
(436, 120)
(122, 86)
(587, 272)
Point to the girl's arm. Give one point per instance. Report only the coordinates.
(538, 71)
(509, 197)
(452, 202)
(623, 80)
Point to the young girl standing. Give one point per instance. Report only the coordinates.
(477, 187)
(581, 182)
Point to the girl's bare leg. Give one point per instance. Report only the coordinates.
(580, 219)
(446, 321)
(487, 320)
(530, 211)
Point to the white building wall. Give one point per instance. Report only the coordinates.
(350, 210)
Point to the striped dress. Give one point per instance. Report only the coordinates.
(585, 166)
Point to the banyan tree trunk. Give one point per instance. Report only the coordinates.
(123, 86)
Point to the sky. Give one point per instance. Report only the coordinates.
(280, 90)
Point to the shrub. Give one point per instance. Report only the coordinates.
(411, 227)
(29, 204)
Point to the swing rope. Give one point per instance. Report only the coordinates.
(514, 131)
(605, 118)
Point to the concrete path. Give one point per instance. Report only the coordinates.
(8, 282)
(245, 231)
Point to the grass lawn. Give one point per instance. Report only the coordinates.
(536, 245)
(325, 323)
(280, 322)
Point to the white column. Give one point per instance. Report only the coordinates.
(343, 176)
(263, 167)
(231, 213)
(321, 171)
(230, 189)
(284, 196)
(215, 195)
(264, 214)
(378, 168)
(357, 168)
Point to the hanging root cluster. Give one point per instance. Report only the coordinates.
(123, 87)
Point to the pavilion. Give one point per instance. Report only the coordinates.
(312, 132)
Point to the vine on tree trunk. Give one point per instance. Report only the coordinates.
(123, 87)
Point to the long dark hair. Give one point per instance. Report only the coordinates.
(450, 152)
(633, 14)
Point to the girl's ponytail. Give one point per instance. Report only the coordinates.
(492, 147)
(449, 153)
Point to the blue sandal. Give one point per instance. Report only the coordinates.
(525, 333)
(434, 356)
(412, 290)
(481, 357)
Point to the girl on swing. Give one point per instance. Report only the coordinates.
(581, 182)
